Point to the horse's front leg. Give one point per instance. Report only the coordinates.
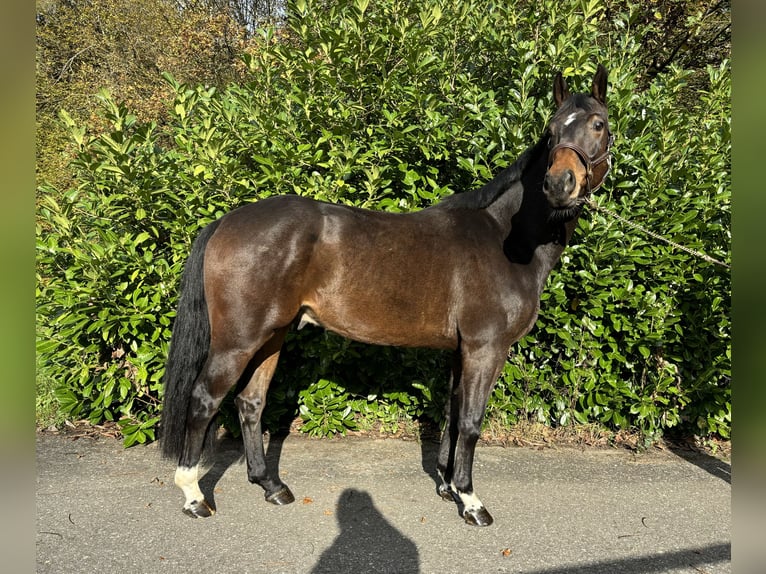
(479, 370)
(446, 459)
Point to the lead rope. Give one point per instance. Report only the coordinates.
(699, 254)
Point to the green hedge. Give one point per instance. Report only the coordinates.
(392, 105)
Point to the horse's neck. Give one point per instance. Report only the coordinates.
(532, 239)
(506, 206)
(528, 170)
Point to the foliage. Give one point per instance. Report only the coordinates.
(123, 45)
(684, 33)
(392, 105)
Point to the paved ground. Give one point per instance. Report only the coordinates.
(365, 505)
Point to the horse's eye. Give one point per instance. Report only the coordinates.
(598, 125)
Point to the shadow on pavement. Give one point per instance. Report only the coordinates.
(698, 457)
(229, 451)
(226, 453)
(366, 542)
(664, 562)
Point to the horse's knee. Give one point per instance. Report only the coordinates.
(469, 429)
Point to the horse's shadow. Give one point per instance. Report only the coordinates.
(229, 451)
(226, 453)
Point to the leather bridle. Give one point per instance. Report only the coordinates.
(589, 163)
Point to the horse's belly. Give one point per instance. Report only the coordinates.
(381, 324)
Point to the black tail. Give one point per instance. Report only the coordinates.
(189, 346)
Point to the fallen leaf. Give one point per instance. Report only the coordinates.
(307, 500)
(506, 552)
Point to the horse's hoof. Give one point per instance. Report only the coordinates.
(281, 497)
(446, 493)
(199, 509)
(478, 517)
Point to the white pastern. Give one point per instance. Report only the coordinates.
(470, 501)
(186, 480)
(444, 486)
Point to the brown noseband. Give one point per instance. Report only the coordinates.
(590, 163)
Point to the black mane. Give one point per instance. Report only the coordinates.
(489, 192)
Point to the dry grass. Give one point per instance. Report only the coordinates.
(523, 434)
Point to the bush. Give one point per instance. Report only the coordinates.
(393, 105)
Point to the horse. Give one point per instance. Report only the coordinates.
(464, 275)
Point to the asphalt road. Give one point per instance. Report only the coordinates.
(366, 505)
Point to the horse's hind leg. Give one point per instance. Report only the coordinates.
(250, 403)
(219, 374)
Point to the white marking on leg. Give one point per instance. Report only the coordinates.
(445, 486)
(186, 480)
(471, 502)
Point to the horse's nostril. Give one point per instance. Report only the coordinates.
(568, 182)
(563, 182)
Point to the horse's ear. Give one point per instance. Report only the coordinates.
(598, 91)
(560, 89)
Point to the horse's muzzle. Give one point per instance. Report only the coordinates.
(560, 189)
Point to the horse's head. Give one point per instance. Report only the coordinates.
(580, 141)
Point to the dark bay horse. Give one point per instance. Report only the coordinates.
(465, 274)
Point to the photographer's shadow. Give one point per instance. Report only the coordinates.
(366, 542)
